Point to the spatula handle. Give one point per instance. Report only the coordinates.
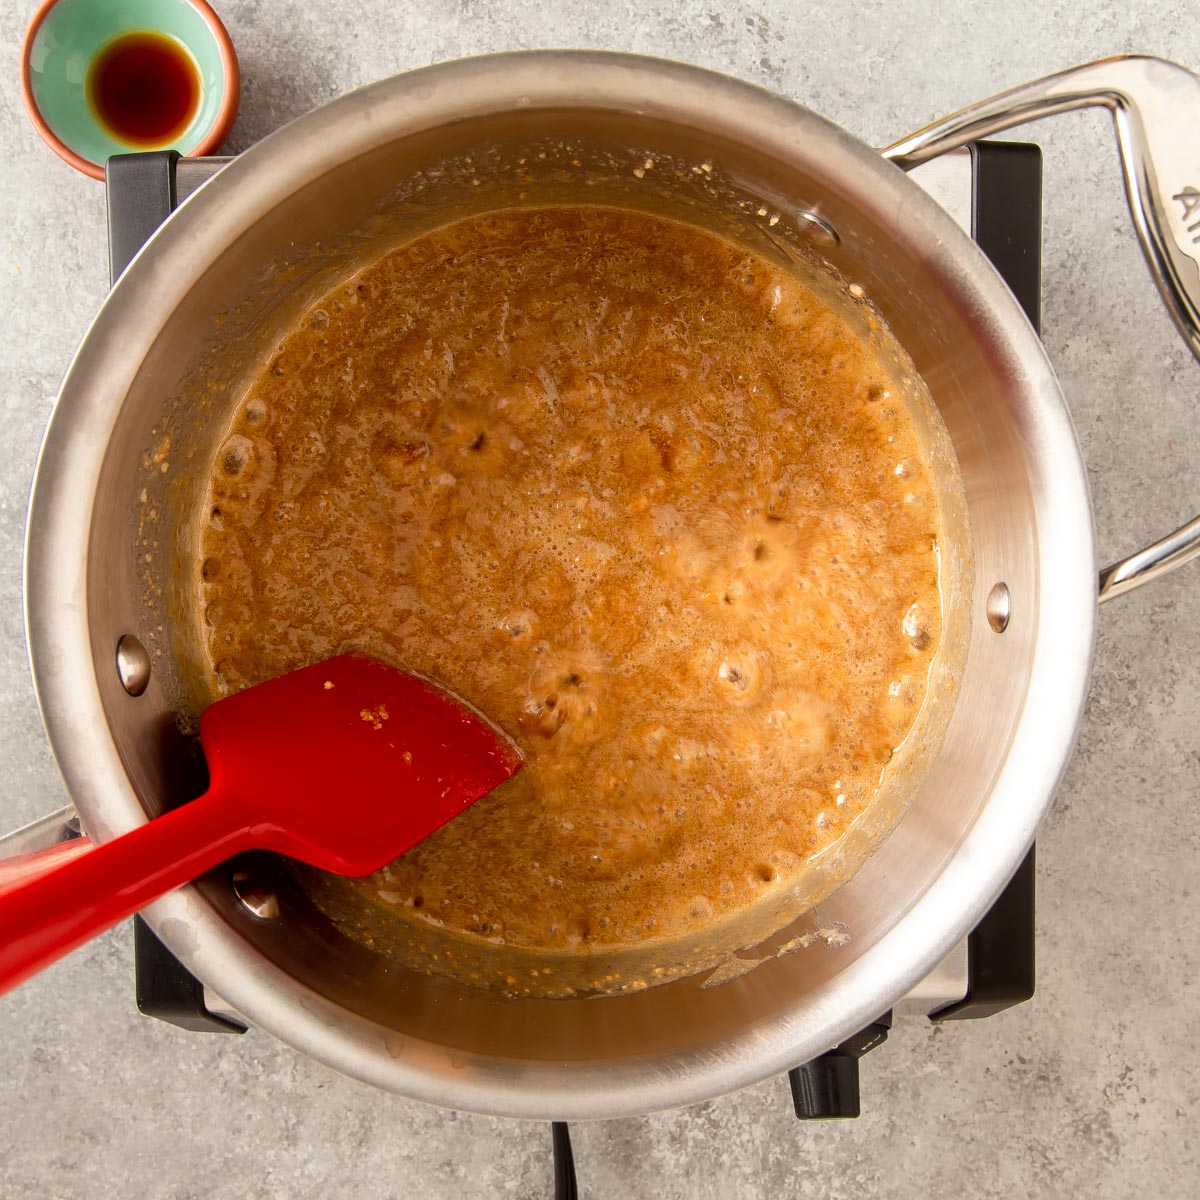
(48, 915)
(26, 866)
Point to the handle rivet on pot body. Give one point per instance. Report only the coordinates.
(999, 607)
(816, 229)
(133, 665)
(256, 899)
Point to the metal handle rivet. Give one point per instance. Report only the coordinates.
(999, 607)
(816, 228)
(256, 899)
(133, 665)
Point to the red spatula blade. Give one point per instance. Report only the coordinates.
(345, 765)
(349, 763)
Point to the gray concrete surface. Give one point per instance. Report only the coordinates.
(1091, 1090)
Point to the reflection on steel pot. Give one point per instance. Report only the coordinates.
(219, 281)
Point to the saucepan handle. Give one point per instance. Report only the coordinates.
(43, 844)
(1156, 110)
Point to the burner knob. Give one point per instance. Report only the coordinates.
(827, 1087)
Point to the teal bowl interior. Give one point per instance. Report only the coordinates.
(65, 45)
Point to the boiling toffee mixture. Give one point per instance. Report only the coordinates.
(641, 497)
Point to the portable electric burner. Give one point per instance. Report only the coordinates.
(993, 190)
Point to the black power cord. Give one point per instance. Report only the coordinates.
(565, 1187)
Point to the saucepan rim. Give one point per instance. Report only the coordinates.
(88, 409)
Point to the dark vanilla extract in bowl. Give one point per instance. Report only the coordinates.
(145, 88)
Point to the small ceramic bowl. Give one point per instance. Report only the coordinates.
(63, 41)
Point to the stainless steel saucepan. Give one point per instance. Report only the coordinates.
(209, 292)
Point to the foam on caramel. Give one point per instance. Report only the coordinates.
(637, 494)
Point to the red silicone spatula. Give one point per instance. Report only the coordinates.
(344, 765)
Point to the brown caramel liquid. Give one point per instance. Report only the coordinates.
(642, 498)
